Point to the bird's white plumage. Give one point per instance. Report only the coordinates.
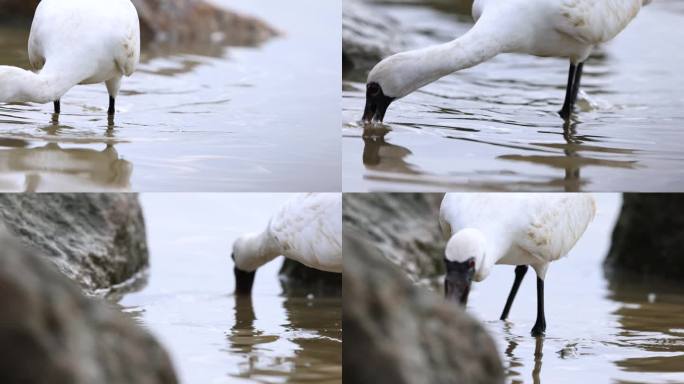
(559, 28)
(308, 229)
(75, 42)
(518, 229)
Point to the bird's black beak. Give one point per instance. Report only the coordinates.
(458, 279)
(376, 103)
(243, 281)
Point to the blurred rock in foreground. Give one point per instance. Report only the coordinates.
(298, 280)
(97, 240)
(648, 238)
(51, 333)
(397, 333)
(176, 21)
(403, 226)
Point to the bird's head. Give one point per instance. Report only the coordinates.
(392, 79)
(464, 261)
(243, 269)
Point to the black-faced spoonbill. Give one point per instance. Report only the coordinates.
(75, 42)
(558, 28)
(307, 229)
(509, 228)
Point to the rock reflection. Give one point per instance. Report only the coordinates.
(651, 318)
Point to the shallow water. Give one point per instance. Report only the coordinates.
(496, 127)
(188, 302)
(208, 118)
(598, 331)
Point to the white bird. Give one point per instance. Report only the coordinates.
(558, 28)
(307, 229)
(75, 42)
(509, 228)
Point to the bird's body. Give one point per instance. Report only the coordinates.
(75, 42)
(307, 229)
(557, 28)
(516, 229)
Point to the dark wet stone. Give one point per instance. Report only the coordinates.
(51, 333)
(648, 238)
(175, 22)
(368, 36)
(97, 240)
(395, 332)
(403, 226)
(299, 280)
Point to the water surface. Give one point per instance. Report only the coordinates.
(199, 118)
(598, 330)
(496, 127)
(212, 336)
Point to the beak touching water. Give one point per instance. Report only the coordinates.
(376, 103)
(458, 278)
(243, 280)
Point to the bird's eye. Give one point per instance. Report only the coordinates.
(372, 89)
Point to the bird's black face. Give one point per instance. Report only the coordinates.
(457, 281)
(376, 103)
(243, 280)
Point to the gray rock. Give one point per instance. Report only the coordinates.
(397, 333)
(648, 238)
(97, 240)
(368, 35)
(298, 280)
(404, 227)
(51, 333)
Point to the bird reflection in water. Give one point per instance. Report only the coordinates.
(380, 155)
(515, 362)
(313, 325)
(54, 168)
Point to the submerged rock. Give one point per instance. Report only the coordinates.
(176, 21)
(403, 226)
(97, 240)
(51, 333)
(299, 280)
(397, 333)
(648, 238)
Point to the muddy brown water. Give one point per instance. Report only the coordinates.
(200, 118)
(496, 127)
(212, 336)
(598, 330)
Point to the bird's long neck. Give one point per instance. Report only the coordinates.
(256, 249)
(478, 45)
(18, 85)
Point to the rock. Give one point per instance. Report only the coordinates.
(649, 237)
(97, 240)
(404, 227)
(299, 280)
(177, 22)
(397, 333)
(368, 35)
(51, 333)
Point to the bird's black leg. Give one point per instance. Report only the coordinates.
(110, 111)
(57, 106)
(576, 85)
(520, 271)
(566, 111)
(540, 325)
